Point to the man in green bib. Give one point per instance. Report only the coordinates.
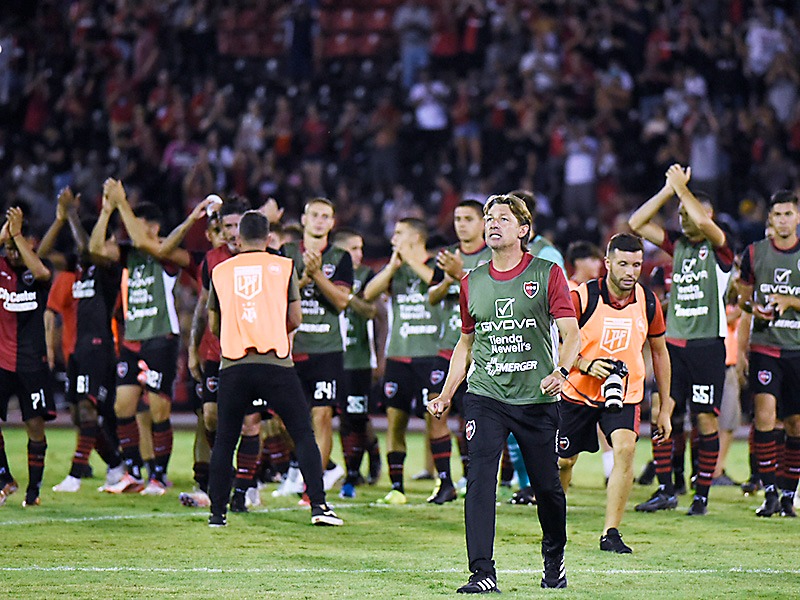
(149, 344)
(361, 355)
(412, 374)
(769, 288)
(511, 312)
(452, 263)
(326, 280)
(702, 260)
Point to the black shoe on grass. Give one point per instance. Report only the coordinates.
(771, 506)
(554, 574)
(217, 521)
(238, 503)
(787, 506)
(699, 507)
(480, 583)
(612, 542)
(660, 500)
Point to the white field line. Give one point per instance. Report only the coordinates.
(193, 513)
(234, 570)
(301, 570)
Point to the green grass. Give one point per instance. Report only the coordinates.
(92, 545)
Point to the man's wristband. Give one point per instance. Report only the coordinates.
(748, 307)
(563, 371)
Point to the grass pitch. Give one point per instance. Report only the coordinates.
(92, 545)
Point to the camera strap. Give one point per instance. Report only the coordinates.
(593, 297)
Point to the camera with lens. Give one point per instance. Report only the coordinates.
(612, 388)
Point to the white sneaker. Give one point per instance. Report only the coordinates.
(252, 497)
(292, 484)
(115, 475)
(70, 484)
(128, 484)
(154, 488)
(195, 499)
(331, 476)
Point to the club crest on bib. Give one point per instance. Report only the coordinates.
(531, 288)
(27, 278)
(122, 369)
(212, 383)
(469, 429)
(247, 281)
(389, 389)
(328, 270)
(703, 253)
(437, 376)
(764, 377)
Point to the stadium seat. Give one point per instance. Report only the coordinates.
(340, 45)
(250, 44)
(247, 19)
(273, 43)
(225, 42)
(370, 44)
(227, 20)
(377, 20)
(343, 20)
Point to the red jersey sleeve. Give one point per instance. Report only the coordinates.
(657, 324)
(467, 322)
(558, 295)
(60, 296)
(576, 303)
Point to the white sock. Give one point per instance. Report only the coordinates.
(608, 462)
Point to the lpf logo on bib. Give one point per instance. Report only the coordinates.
(247, 281)
(616, 334)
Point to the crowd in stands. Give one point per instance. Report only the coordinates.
(402, 107)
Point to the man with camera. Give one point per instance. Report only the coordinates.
(617, 315)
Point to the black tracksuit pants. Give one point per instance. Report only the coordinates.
(488, 423)
(249, 388)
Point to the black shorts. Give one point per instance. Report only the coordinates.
(779, 377)
(407, 386)
(32, 389)
(90, 374)
(161, 357)
(210, 382)
(320, 375)
(354, 396)
(698, 375)
(578, 430)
